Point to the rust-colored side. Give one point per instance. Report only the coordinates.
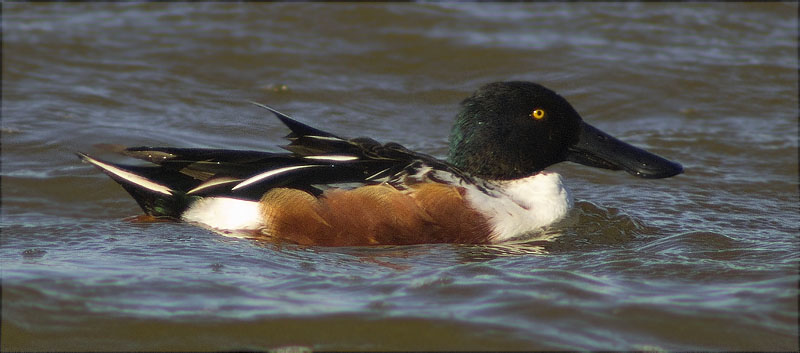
(373, 215)
(457, 222)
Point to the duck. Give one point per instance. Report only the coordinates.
(327, 190)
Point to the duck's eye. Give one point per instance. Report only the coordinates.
(537, 114)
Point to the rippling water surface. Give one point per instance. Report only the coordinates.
(707, 260)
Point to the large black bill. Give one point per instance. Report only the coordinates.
(599, 149)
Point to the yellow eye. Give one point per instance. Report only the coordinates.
(538, 114)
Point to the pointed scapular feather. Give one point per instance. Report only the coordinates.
(128, 176)
(298, 128)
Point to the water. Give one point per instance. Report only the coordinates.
(707, 260)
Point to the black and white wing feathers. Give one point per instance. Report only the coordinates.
(316, 160)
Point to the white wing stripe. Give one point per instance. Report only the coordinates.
(332, 158)
(324, 138)
(270, 173)
(213, 182)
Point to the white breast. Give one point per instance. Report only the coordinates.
(523, 205)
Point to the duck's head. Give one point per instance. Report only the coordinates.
(511, 130)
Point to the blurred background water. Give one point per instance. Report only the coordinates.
(707, 260)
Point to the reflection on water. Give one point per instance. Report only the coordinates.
(704, 261)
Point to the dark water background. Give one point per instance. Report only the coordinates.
(707, 260)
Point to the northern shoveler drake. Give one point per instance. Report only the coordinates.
(334, 191)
